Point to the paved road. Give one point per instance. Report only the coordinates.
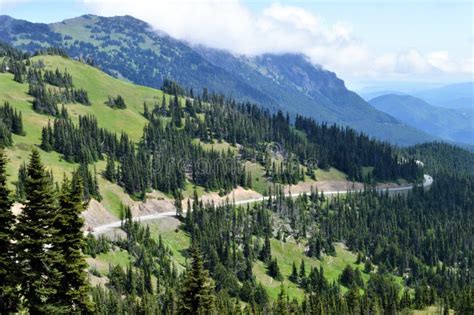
(427, 181)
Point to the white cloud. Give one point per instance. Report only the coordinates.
(441, 60)
(228, 24)
(11, 3)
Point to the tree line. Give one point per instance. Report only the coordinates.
(10, 122)
(46, 99)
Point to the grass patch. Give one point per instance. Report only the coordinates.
(215, 145)
(189, 189)
(331, 174)
(119, 257)
(173, 237)
(288, 252)
(259, 181)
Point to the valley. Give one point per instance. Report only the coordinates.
(126, 199)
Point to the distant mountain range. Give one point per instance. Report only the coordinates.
(452, 124)
(128, 48)
(457, 96)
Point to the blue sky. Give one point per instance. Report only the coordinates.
(363, 41)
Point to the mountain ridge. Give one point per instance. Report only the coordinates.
(453, 125)
(126, 47)
(458, 95)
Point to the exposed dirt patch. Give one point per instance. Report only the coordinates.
(332, 185)
(165, 224)
(151, 206)
(96, 215)
(237, 194)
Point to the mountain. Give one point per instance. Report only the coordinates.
(128, 48)
(368, 95)
(212, 124)
(157, 169)
(449, 124)
(459, 95)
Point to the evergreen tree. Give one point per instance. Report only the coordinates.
(35, 236)
(294, 274)
(73, 287)
(197, 288)
(266, 252)
(20, 193)
(5, 135)
(274, 270)
(8, 282)
(302, 270)
(353, 299)
(110, 171)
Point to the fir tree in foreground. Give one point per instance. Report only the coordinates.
(197, 295)
(73, 288)
(35, 234)
(8, 296)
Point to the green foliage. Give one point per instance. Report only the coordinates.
(82, 143)
(8, 283)
(46, 99)
(5, 136)
(274, 270)
(89, 185)
(12, 119)
(350, 277)
(422, 236)
(197, 296)
(116, 102)
(442, 158)
(172, 88)
(73, 288)
(94, 246)
(37, 255)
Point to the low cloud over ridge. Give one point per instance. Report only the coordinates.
(279, 28)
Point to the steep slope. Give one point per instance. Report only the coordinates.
(99, 85)
(449, 124)
(127, 48)
(443, 158)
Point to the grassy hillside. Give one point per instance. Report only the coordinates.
(99, 87)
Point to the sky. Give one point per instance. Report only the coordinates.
(366, 43)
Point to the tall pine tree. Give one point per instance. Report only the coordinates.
(35, 235)
(72, 291)
(197, 295)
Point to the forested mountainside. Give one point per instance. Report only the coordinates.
(443, 158)
(362, 252)
(127, 48)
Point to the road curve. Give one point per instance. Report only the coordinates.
(427, 181)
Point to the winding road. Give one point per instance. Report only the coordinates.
(427, 181)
